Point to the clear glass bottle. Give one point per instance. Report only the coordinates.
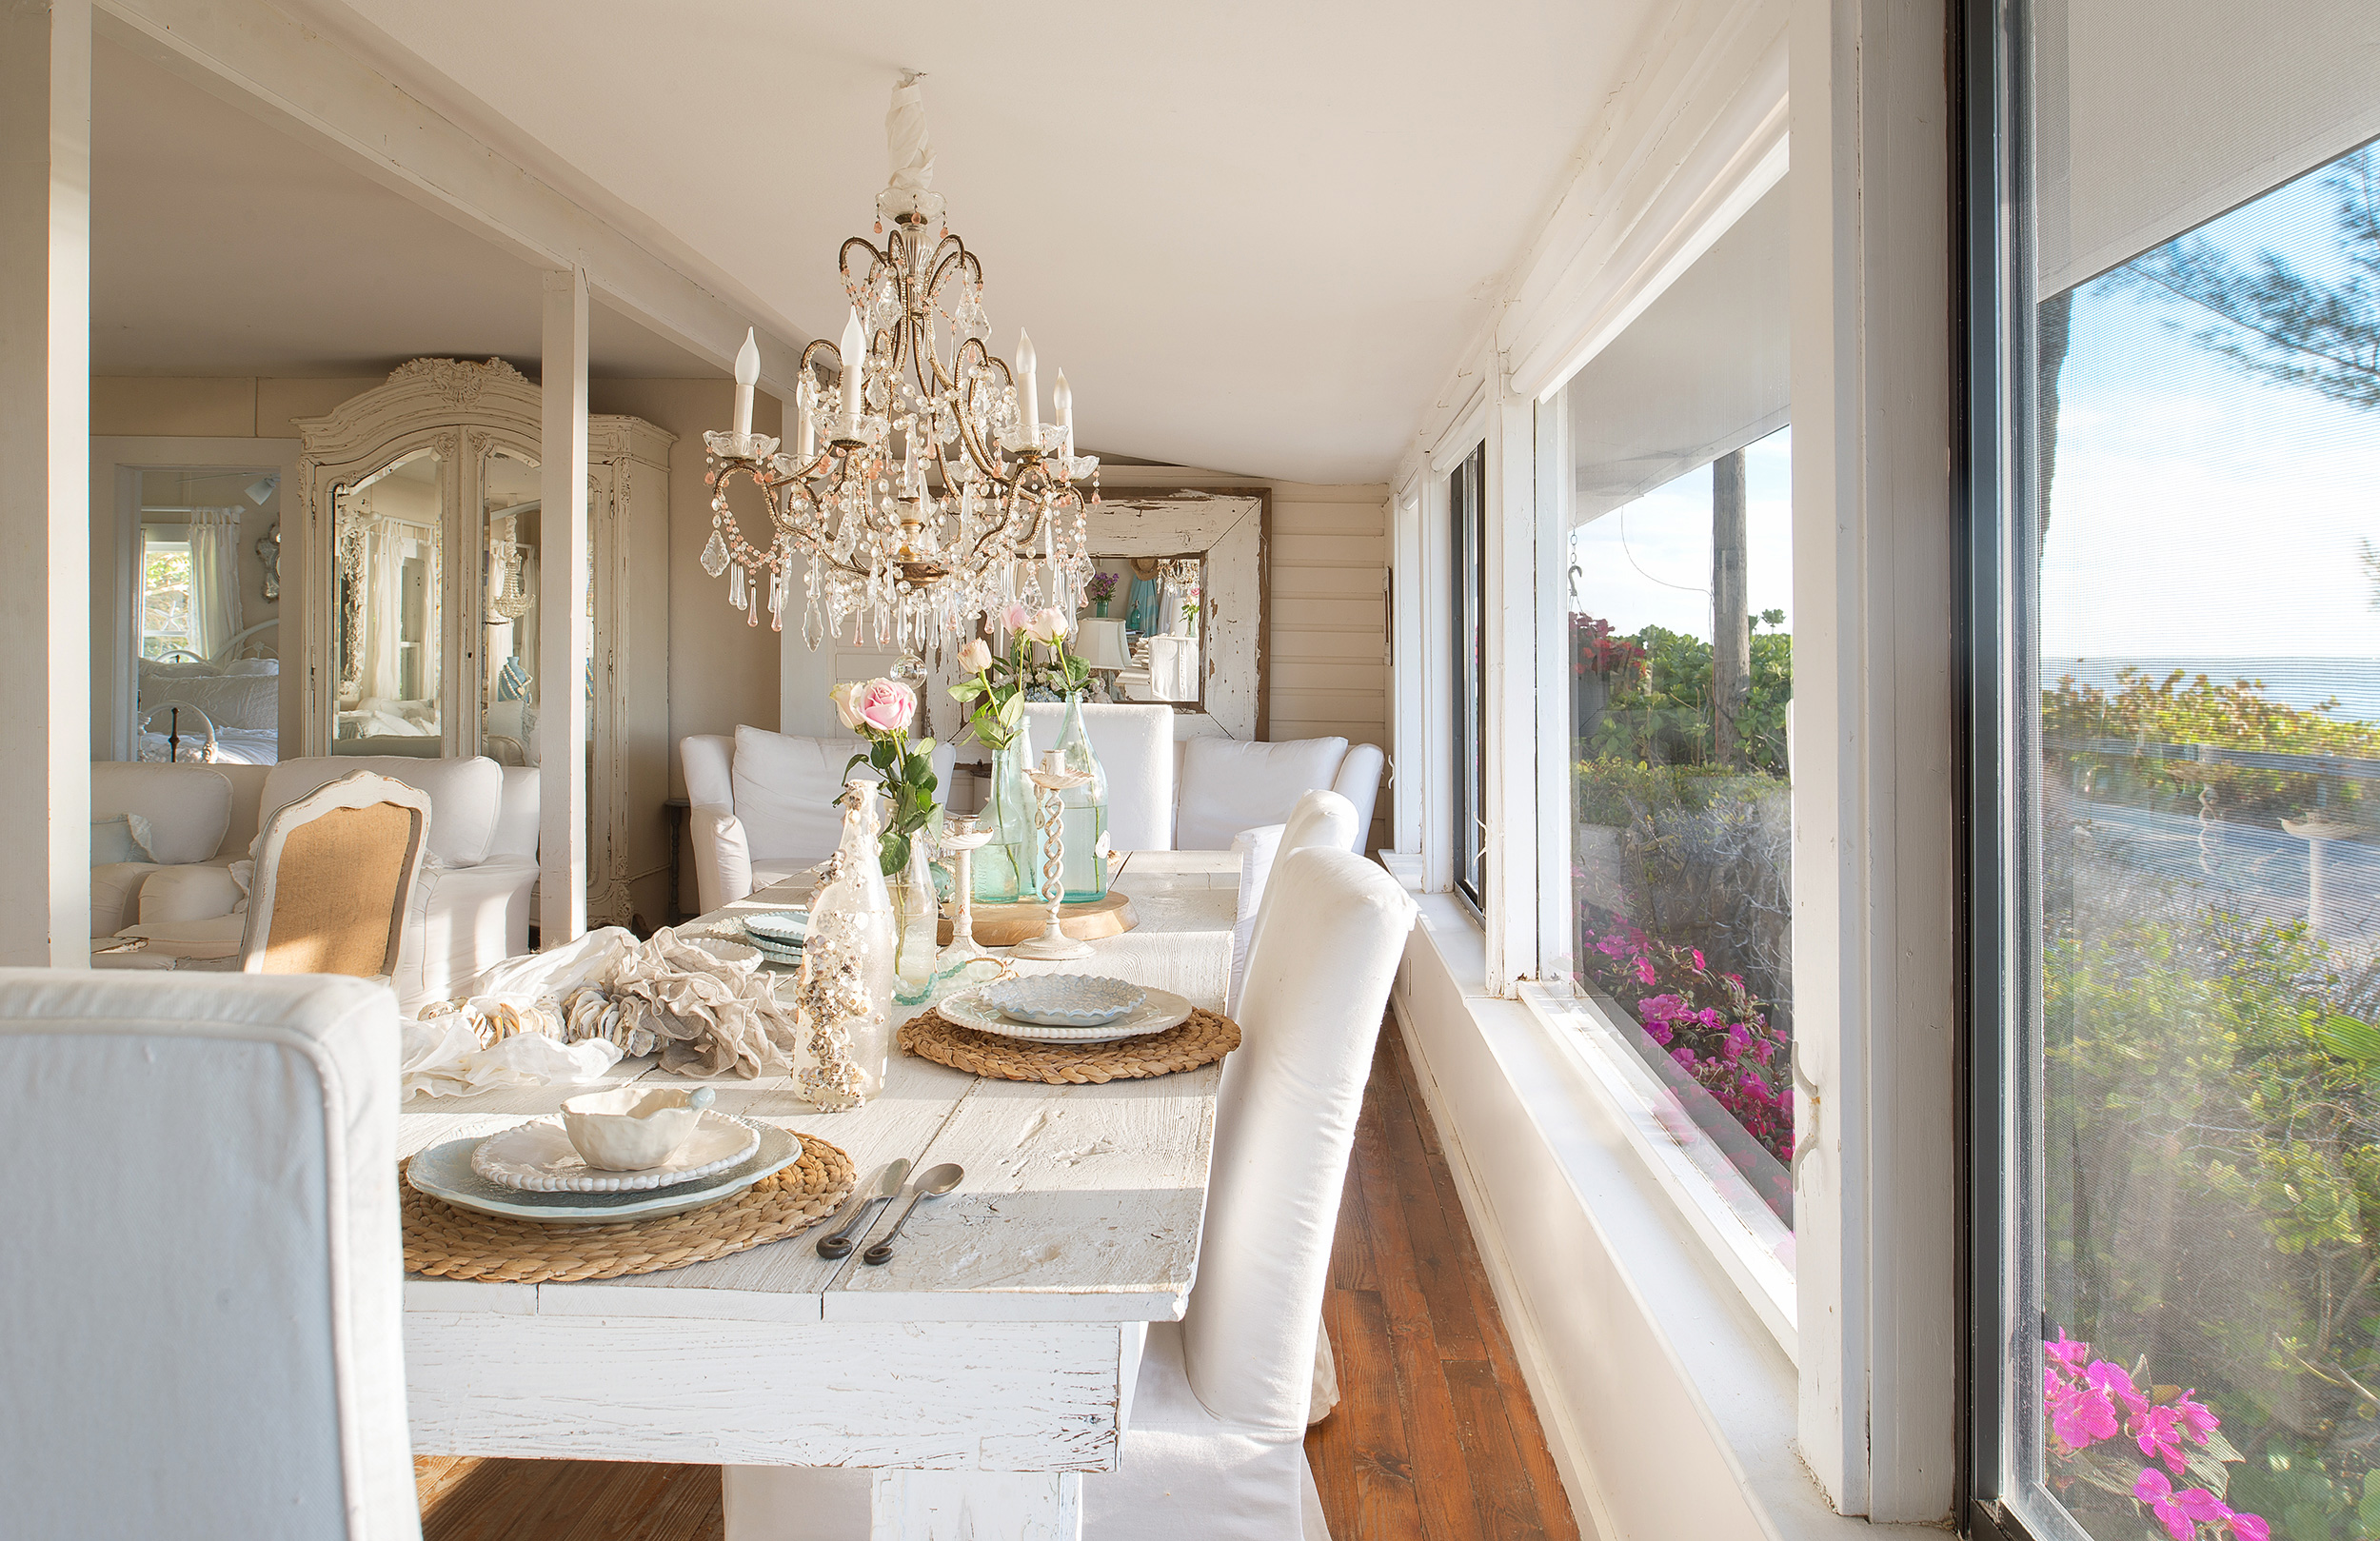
(1085, 819)
(917, 923)
(1008, 870)
(844, 995)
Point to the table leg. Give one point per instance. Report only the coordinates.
(978, 1506)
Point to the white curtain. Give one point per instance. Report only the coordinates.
(384, 607)
(214, 579)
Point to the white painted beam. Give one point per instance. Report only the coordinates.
(296, 77)
(565, 636)
(45, 486)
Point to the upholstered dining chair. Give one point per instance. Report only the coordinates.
(337, 873)
(764, 805)
(1225, 785)
(1320, 818)
(1214, 1446)
(203, 1267)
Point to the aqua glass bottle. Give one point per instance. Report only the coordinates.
(1007, 871)
(1084, 822)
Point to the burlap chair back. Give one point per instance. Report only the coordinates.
(335, 876)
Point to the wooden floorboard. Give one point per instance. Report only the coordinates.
(1435, 1437)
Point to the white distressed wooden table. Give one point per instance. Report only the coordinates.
(980, 1374)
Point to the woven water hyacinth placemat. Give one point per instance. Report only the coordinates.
(1201, 1041)
(447, 1242)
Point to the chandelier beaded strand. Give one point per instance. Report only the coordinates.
(923, 493)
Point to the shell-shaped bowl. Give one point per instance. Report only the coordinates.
(631, 1128)
(1063, 999)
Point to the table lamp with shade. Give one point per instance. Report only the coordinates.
(1099, 644)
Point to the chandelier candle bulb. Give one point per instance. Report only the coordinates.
(1028, 393)
(747, 375)
(1061, 397)
(854, 355)
(806, 437)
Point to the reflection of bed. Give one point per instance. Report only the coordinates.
(236, 746)
(241, 698)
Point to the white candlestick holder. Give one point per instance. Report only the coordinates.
(1052, 779)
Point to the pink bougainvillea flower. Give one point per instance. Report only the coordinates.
(2195, 1417)
(2159, 1437)
(2158, 1494)
(1684, 1057)
(1698, 960)
(2251, 1527)
(2112, 1377)
(1644, 971)
(2081, 1416)
(2067, 1352)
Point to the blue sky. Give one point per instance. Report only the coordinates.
(2197, 511)
(1648, 563)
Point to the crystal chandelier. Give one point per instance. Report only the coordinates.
(923, 493)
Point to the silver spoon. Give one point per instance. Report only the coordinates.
(931, 1183)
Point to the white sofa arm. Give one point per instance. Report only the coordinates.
(193, 893)
(722, 859)
(1358, 782)
(115, 894)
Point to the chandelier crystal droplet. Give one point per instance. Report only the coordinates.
(924, 491)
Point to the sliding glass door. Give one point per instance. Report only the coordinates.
(2185, 991)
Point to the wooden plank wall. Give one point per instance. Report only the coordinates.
(1328, 637)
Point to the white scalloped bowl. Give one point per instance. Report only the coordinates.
(1063, 999)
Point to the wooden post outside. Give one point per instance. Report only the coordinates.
(1731, 614)
(45, 480)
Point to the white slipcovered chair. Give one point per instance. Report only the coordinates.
(1320, 818)
(1214, 1448)
(1134, 745)
(205, 1298)
(764, 805)
(1230, 784)
(472, 898)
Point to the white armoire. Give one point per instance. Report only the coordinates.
(419, 606)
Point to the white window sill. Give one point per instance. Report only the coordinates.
(1670, 1399)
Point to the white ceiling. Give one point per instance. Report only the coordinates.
(220, 246)
(1254, 236)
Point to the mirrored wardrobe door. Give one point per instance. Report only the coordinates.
(389, 637)
(512, 529)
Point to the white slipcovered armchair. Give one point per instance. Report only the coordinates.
(763, 806)
(1229, 784)
(205, 1301)
(472, 903)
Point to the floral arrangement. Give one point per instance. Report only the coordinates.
(1712, 1026)
(1101, 589)
(1593, 648)
(880, 711)
(2088, 1403)
(1001, 681)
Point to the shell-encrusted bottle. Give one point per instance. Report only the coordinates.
(844, 995)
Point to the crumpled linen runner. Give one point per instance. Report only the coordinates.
(709, 1016)
(567, 1015)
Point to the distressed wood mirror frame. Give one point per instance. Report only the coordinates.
(1231, 529)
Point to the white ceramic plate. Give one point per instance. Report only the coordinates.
(1158, 1011)
(443, 1171)
(538, 1158)
(1062, 999)
(781, 928)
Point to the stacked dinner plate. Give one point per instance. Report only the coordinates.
(777, 934)
(532, 1172)
(1065, 1008)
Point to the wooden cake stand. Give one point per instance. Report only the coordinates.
(1005, 925)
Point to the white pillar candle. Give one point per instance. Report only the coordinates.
(1062, 397)
(1029, 394)
(854, 372)
(747, 375)
(806, 429)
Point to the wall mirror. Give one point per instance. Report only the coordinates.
(1185, 626)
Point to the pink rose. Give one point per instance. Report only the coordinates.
(1015, 618)
(875, 706)
(1046, 626)
(975, 656)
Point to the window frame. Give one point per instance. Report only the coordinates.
(1466, 497)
